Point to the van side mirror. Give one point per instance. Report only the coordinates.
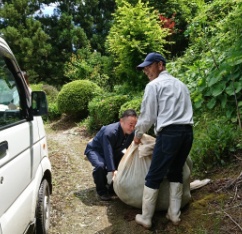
(39, 103)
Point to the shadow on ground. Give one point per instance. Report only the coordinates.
(206, 213)
(122, 216)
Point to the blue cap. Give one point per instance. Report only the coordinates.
(151, 58)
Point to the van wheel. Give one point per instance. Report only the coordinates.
(43, 209)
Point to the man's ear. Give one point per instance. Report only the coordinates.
(121, 120)
(161, 66)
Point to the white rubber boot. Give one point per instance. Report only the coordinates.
(176, 191)
(148, 207)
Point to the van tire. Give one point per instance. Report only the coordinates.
(43, 208)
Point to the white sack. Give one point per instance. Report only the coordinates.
(129, 182)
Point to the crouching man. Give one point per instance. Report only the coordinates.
(106, 150)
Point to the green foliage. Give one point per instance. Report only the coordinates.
(65, 38)
(26, 37)
(53, 111)
(133, 104)
(105, 110)
(182, 13)
(212, 65)
(123, 89)
(36, 87)
(215, 139)
(43, 43)
(74, 97)
(126, 89)
(96, 19)
(135, 32)
(91, 66)
(51, 92)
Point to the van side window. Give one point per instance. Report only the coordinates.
(10, 108)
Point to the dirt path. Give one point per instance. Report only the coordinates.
(73, 199)
(76, 209)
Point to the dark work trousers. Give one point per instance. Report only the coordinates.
(171, 150)
(100, 171)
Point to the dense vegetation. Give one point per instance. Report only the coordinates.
(102, 41)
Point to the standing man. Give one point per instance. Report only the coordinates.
(106, 150)
(166, 105)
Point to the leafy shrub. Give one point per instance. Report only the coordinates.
(53, 111)
(139, 32)
(214, 141)
(92, 66)
(133, 104)
(213, 72)
(51, 92)
(124, 88)
(74, 97)
(104, 110)
(36, 87)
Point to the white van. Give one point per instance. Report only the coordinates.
(25, 169)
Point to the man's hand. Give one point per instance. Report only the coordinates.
(114, 174)
(137, 140)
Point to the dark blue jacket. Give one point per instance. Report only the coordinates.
(109, 143)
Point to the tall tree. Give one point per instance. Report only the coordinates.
(136, 31)
(181, 13)
(25, 36)
(66, 38)
(95, 17)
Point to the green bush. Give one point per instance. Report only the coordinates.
(53, 111)
(103, 111)
(133, 104)
(36, 87)
(124, 89)
(214, 142)
(74, 97)
(51, 92)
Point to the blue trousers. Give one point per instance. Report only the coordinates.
(171, 150)
(100, 171)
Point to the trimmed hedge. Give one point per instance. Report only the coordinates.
(74, 97)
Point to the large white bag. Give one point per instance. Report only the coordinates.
(130, 179)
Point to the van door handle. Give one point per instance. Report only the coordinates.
(3, 149)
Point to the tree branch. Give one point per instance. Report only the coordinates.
(233, 221)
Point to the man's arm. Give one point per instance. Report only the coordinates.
(148, 113)
(108, 144)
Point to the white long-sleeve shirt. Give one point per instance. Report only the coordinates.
(166, 101)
